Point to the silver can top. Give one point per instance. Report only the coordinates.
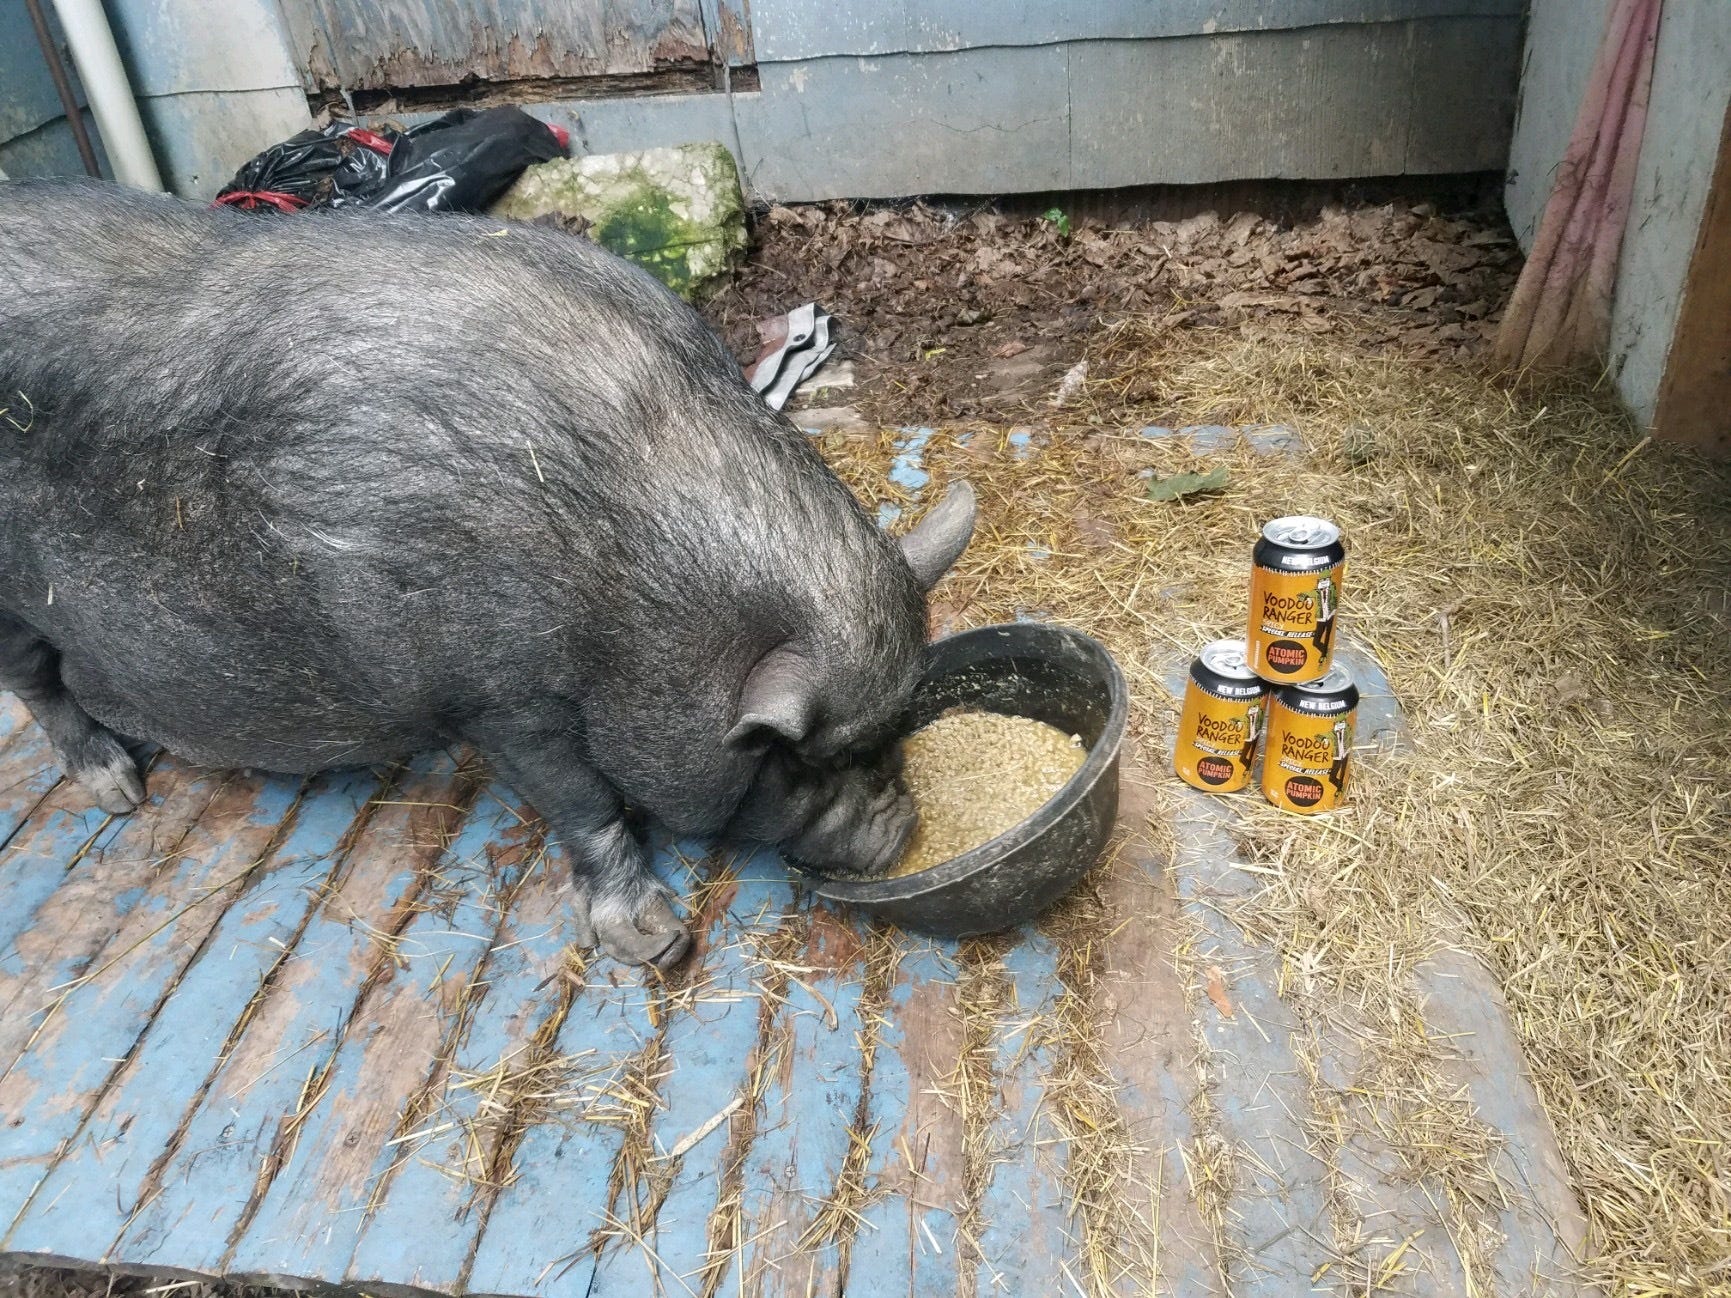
(1301, 532)
(1334, 679)
(1228, 658)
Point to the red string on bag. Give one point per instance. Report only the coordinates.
(251, 199)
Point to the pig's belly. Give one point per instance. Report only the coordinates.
(254, 723)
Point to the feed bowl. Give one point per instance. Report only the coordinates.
(1027, 669)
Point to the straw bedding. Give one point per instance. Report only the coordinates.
(1549, 596)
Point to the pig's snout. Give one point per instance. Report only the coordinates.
(862, 829)
(853, 819)
(890, 825)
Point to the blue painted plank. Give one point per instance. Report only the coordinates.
(1544, 1230)
(91, 969)
(1024, 1230)
(28, 772)
(805, 1116)
(1278, 1220)
(62, 827)
(65, 909)
(402, 1015)
(425, 1228)
(291, 1031)
(907, 471)
(906, 1242)
(711, 1041)
(1258, 439)
(1403, 1217)
(215, 955)
(546, 1227)
(542, 1229)
(1145, 1026)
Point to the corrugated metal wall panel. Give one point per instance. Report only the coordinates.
(798, 29)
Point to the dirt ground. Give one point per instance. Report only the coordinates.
(953, 314)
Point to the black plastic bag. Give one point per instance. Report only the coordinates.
(306, 170)
(460, 162)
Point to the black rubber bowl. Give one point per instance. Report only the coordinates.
(1029, 669)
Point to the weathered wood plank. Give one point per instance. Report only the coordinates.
(542, 1231)
(426, 1225)
(713, 1043)
(1145, 1034)
(1278, 1223)
(243, 1130)
(108, 1173)
(79, 908)
(806, 1117)
(136, 958)
(1399, 1215)
(28, 772)
(62, 828)
(360, 45)
(1093, 114)
(908, 125)
(392, 1053)
(727, 28)
(906, 1241)
(1544, 1230)
(1024, 1237)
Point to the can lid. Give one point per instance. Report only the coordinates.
(1334, 679)
(1229, 658)
(1302, 532)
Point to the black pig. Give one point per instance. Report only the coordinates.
(296, 494)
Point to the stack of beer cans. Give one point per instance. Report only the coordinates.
(1277, 689)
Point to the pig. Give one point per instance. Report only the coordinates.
(295, 493)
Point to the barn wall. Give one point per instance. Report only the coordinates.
(1691, 87)
(879, 98)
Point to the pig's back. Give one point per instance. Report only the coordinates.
(387, 402)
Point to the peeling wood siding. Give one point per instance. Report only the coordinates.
(728, 23)
(366, 44)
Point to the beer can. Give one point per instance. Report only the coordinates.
(1309, 743)
(1224, 703)
(1295, 598)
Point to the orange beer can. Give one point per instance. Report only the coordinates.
(1295, 598)
(1224, 702)
(1309, 743)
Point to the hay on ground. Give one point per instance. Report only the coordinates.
(1548, 593)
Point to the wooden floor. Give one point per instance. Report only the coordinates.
(332, 1033)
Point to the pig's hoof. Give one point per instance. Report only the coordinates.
(106, 771)
(643, 930)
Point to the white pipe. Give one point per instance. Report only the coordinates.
(110, 93)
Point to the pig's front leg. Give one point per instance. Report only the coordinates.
(621, 906)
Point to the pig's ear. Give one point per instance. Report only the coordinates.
(778, 699)
(939, 538)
